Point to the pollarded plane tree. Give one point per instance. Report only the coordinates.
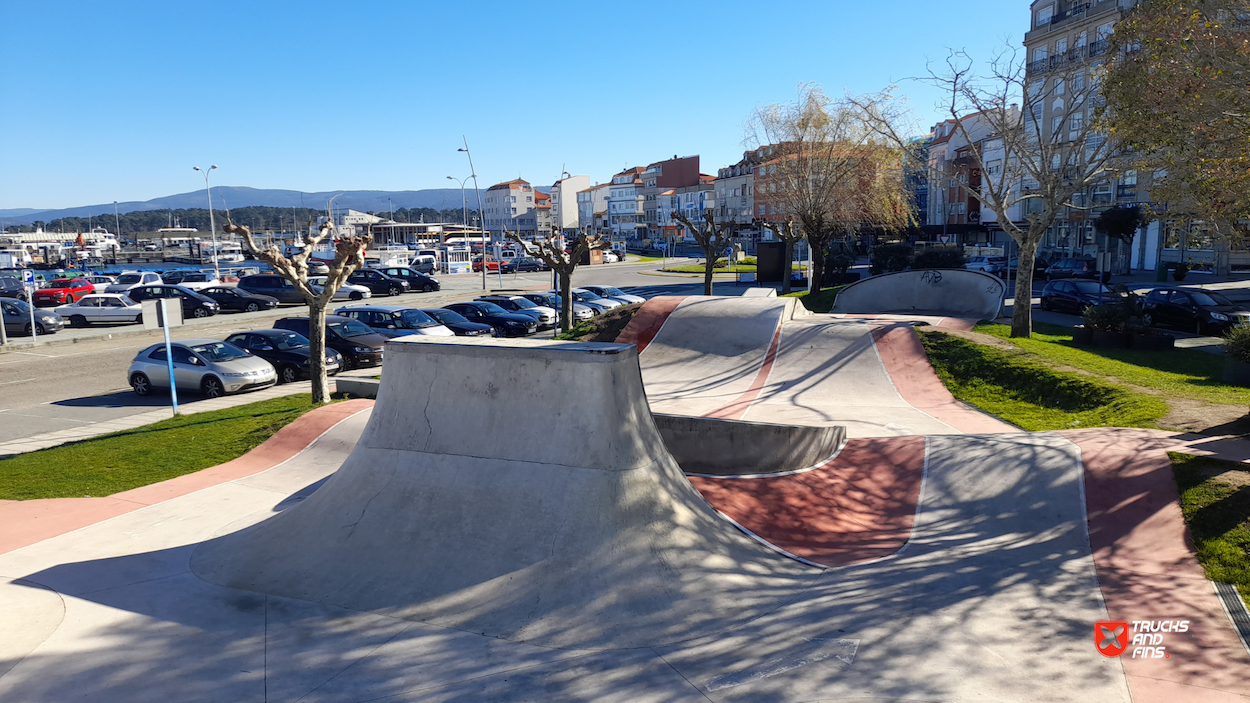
(712, 239)
(563, 257)
(790, 233)
(1035, 162)
(827, 168)
(348, 256)
(1177, 87)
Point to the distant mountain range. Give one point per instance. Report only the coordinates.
(238, 196)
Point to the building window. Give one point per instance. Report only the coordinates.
(1129, 178)
(1077, 122)
(1044, 16)
(1078, 82)
(1059, 86)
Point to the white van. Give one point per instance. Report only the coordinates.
(424, 263)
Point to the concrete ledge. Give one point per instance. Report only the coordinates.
(716, 447)
(760, 293)
(358, 387)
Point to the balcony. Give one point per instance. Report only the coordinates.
(1076, 14)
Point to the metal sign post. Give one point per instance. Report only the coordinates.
(157, 314)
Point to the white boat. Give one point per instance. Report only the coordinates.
(225, 253)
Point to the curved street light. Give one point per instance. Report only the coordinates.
(212, 223)
(480, 212)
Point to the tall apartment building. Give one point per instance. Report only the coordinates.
(691, 201)
(510, 205)
(565, 214)
(954, 214)
(661, 176)
(543, 219)
(735, 191)
(592, 209)
(625, 205)
(1066, 44)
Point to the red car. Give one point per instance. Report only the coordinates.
(62, 291)
(492, 264)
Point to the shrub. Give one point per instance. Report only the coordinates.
(1105, 318)
(1237, 343)
(888, 258)
(947, 258)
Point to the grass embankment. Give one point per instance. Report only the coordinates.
(818, 301)
(1215, 498)
(121, 461)
(602, 328)
(1020, 388)
(1176, 372)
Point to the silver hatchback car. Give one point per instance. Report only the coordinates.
(209, 366)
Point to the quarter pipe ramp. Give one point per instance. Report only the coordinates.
(953, 292)
(462, 507)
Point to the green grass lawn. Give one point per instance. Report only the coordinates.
(1218, 515)
(820, 301)
(117, 462)
(1177, 372)
(1019, 388)
(644, 259)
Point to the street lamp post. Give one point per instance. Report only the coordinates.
(212, 222)
(464, 208)
(480, 213)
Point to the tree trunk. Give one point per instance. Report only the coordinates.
(317, 352)
(787, 268)
(708, 268)
(566, 300)
(1022, 309)
(817, 272)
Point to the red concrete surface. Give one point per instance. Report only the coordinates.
(909, 368)
(1148, 571)
(737, 409)
(26, 522)
(646, 323)
(858, 507)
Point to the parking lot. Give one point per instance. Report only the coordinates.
(77, 376)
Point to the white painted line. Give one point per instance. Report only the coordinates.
(768, 544)
(24, 380)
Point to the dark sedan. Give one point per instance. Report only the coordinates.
(416, 280)
(505, 323)
(1074, 296)
(529, 263)
(1192, 310)
(357, 343)
(193, 304)
(289, 352)
(230, 298)
(459, 326)
(377, 282)
(1074, 268)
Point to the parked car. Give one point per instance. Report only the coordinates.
(318, 268)
(422, 263)
(529, 263)
(545, 316)
(16, 315)
(102, 308)
(1076, 295)
(416, 279)
(359, 345)
(1193, 310)
(347, 291)
(458, 325)
(289, 353)
(611, 257)
(231, 298)
(271, 285)
(194, 280)
(586, 297)
(581, 311)
(193, 304)
(995, 265)
(101, 283)
(616, 294)
(493, 264)
(59, 291)
(378, 282)
(209, 366)
(13, 288)
(507, 324)
(392, 321)
(1074, 268)
(131, 279)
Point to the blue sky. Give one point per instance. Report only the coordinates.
(118, 100)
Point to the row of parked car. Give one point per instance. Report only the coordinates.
(1194, 310)
(1047, 271)
(355, 337)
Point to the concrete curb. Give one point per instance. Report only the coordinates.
(359, 387)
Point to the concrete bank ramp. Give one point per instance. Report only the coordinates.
(708, 351)
(952, 292)
(520, 490)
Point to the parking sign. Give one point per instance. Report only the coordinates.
(28, 277)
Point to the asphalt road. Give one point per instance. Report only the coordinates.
(44, 388)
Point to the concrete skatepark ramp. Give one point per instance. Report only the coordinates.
(953, 292)
(460, 507)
